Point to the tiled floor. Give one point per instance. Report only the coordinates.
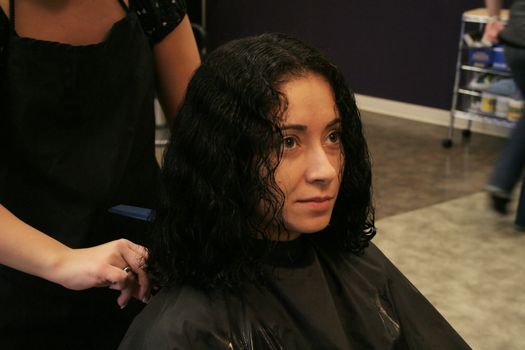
(412, 170)
(468, 261)
(435, 224)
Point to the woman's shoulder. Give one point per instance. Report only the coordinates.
(373, 254)
(369, 258)
(369, 269)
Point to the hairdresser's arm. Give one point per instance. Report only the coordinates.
(176, 58)
(494, 26)
(24, 248)
(493, 7)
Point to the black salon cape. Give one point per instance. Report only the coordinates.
(317, 300)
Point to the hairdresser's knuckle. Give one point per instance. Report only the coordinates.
(122, 243)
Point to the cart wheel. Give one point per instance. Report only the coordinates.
(446, 143)
(466, 133)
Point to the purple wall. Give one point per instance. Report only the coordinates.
(404, 50)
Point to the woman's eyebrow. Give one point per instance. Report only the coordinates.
(298, 127)
(301, 127)
(334, 122)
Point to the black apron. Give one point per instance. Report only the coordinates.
(77, 137)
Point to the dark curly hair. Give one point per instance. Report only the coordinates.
(219, 166)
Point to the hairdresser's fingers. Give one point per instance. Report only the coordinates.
(140, 251)
(126, 282)
(127, 293)
(135, 256)
(118, 278)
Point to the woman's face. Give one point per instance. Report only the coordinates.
(309, 173)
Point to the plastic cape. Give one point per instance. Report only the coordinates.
(315, 299)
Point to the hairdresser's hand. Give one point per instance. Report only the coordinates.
(103, 266)
(492, 30)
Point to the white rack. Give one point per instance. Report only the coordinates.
(464, 97)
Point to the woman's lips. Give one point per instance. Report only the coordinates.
(317, 203)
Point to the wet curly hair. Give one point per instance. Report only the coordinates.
(219, 167)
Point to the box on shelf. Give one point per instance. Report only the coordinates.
(488, 102)
(501, 108)
(516, 109)
(488, 57)
(480, 56)
(498, 58)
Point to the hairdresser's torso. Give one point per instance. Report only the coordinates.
(77, 22)
(77, 137)
(78, 118)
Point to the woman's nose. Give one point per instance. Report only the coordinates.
(321, 166)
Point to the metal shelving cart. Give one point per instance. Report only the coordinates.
(465, 100)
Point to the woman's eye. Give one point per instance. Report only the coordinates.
(289, 142)
(334, 136)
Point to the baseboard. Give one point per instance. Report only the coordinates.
(424, 114)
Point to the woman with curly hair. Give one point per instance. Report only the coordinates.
(263, 238)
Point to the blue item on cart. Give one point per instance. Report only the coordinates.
(498, 58)
(480, 56)
(505, 87)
